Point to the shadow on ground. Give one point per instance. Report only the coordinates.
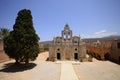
(11, 67)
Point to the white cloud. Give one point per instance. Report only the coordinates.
(100, 34)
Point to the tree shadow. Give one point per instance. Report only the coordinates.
(12, 67)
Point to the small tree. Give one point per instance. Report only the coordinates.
(4, 32)
(22, 43)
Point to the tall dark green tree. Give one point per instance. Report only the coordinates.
(22, 42)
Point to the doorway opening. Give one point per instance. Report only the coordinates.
(76, 56)
(58, 56)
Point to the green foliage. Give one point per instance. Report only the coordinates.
(46, 47)
(41, 49)
(22, 43)
(4, 32)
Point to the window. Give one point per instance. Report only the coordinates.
(64, 36)
(58, 43)
(75, 41)
(75, 49)
(58, 49)
(68, 35)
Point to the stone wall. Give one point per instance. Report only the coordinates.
(105, 50)
(3, 56)
(67, 52)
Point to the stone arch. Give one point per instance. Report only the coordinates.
(107, 56)
(98, 57)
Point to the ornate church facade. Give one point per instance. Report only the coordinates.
(67, 47)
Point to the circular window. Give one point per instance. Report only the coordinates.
(58, 49)
(75, 49)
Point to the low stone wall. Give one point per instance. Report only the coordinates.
(3, 56)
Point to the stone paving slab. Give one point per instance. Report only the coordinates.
(67, 71)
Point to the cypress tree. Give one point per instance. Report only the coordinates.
(22, 42)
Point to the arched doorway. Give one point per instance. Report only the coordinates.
(58, 56)
(107, 56)
(76, 56)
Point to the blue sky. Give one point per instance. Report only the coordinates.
(88, 18)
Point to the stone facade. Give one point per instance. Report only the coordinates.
(67, 47)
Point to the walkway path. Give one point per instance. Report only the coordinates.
(67, 71)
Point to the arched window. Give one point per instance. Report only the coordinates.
(75, 41)
(64, 35)
(69, 35)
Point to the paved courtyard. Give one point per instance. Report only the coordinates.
(100, 70)
(41, 69)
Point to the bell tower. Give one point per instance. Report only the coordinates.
(66, 34)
